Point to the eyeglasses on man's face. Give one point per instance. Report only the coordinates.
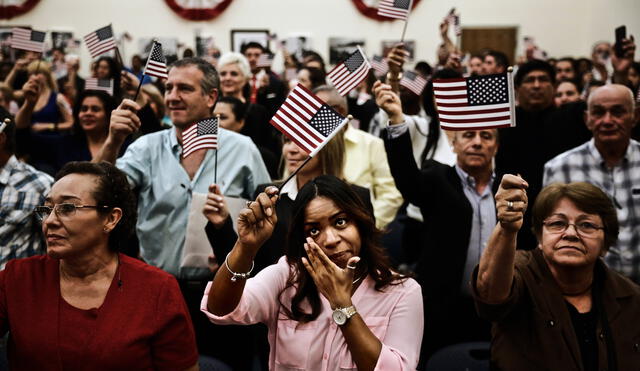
(583, 228)
(63, 211)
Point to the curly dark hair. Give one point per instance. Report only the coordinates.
(113, 190)
(373, 259)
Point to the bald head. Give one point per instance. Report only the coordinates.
(620, 93)
(611, 117)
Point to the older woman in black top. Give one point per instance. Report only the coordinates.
(557, 307)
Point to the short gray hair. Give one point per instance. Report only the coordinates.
(210, 80)
(237, 58)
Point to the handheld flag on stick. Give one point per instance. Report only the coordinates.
(307, 120)
(156, 63)
(474, 103)
(413, 82)
(201, 135)
(92, 83)
(348, 74)
(32, 40)
(4, 124)
(380, 65)
(100, 41)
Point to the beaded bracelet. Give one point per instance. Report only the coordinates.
(235, 275)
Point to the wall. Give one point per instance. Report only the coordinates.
(562, 27)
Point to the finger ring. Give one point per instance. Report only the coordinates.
(248, 203)
(509, 205)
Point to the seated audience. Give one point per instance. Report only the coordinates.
(78, 314)
(557, 307)
(333, 301)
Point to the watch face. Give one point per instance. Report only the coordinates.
(339, 317)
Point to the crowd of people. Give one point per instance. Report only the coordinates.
(396, 240)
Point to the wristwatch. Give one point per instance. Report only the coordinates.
(341, 315)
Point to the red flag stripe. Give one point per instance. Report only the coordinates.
(480, 111)
(356, 76)
(468, 121)
(294, 138)
(290, 116)
(475, 126)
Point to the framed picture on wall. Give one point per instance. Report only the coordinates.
(240, 37)
(410, 45)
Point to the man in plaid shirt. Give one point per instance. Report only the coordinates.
(22, 188)
(611, 161)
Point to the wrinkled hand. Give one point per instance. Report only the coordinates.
(31, 90)
(333, 282)
(257, 220)
(622, 64)
(215, 208)
(396, 58)
(124, 120)
(444, 28)
(389, 101)
(512, 192)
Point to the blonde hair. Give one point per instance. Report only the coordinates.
(44, 68)
(331, 157)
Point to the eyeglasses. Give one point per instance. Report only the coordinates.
(63, 211)
(587, 229)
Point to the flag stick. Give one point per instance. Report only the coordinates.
(139, 86)
(295, 172)
(406, 21)
(215, 165)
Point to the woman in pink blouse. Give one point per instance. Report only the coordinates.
(332, 302)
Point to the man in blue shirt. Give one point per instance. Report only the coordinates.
(166, 181)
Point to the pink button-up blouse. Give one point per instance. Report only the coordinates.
(394, 316)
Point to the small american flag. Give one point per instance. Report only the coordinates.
(22, 38)
(91, 83)
(265, 60)
(413, 82)
(398, 9)
(379, 65)
(307, 120)
(100, 41)
(156, 63)
(475, 103)
(454, 20)
(348, 74)
(201, 135)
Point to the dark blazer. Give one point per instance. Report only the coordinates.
(223, 239)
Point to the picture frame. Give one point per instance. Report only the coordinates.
(240, 37)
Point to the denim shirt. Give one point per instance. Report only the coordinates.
(153, 166)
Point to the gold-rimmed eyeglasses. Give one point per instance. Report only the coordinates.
(64, 210)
